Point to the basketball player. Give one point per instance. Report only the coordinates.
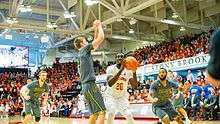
(31, 94)
(178, 97)
(90, 90)
(161, 92)
(213, 68)
(178, 103)
(116, 94)
(22, 91)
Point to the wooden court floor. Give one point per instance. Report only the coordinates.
(52, 120)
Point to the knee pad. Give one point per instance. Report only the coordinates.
(37, 119)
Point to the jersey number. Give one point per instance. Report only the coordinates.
(119, 86)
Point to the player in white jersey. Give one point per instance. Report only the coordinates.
(116, 95)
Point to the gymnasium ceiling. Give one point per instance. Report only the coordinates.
(154, 22)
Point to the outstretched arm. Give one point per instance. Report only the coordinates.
(98, 34)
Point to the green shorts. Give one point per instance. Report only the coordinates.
(93, 98)
(164, 109)
(32, 107)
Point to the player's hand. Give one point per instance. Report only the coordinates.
(26, 97)
(96, 23)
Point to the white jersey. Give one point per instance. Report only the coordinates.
(119, 89)
(116, 97)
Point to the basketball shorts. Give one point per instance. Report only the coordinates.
(32, 107)
(93, 98)
(162, 110)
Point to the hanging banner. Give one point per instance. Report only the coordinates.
(199, 61)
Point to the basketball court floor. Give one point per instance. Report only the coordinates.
(52, 120)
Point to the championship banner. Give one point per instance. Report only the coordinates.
(199, 61)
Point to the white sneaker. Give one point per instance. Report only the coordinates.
(188, 121)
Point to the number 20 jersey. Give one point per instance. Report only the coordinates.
(119, 89)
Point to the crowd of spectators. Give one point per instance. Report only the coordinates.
(10, 85)
(181, 47)
(63, 78)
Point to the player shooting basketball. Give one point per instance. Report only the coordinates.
(116, 94)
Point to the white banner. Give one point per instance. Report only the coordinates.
(199, 61)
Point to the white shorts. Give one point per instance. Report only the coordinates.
(117, 104)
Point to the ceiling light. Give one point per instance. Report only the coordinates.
(23, 8)
(69, 15)
(51, 25)
(132, 21)
(131, 31)
(44, 38)
(11, 20)
(119, 20)
(28, 8)
(36, 36)
(182, 29)
(8, 36)
(169, 22)
(175, 15)
(91, 2)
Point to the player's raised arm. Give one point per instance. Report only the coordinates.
(98, 34)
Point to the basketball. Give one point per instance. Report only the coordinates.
(131, 63)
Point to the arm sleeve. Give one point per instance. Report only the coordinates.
(214, 62)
